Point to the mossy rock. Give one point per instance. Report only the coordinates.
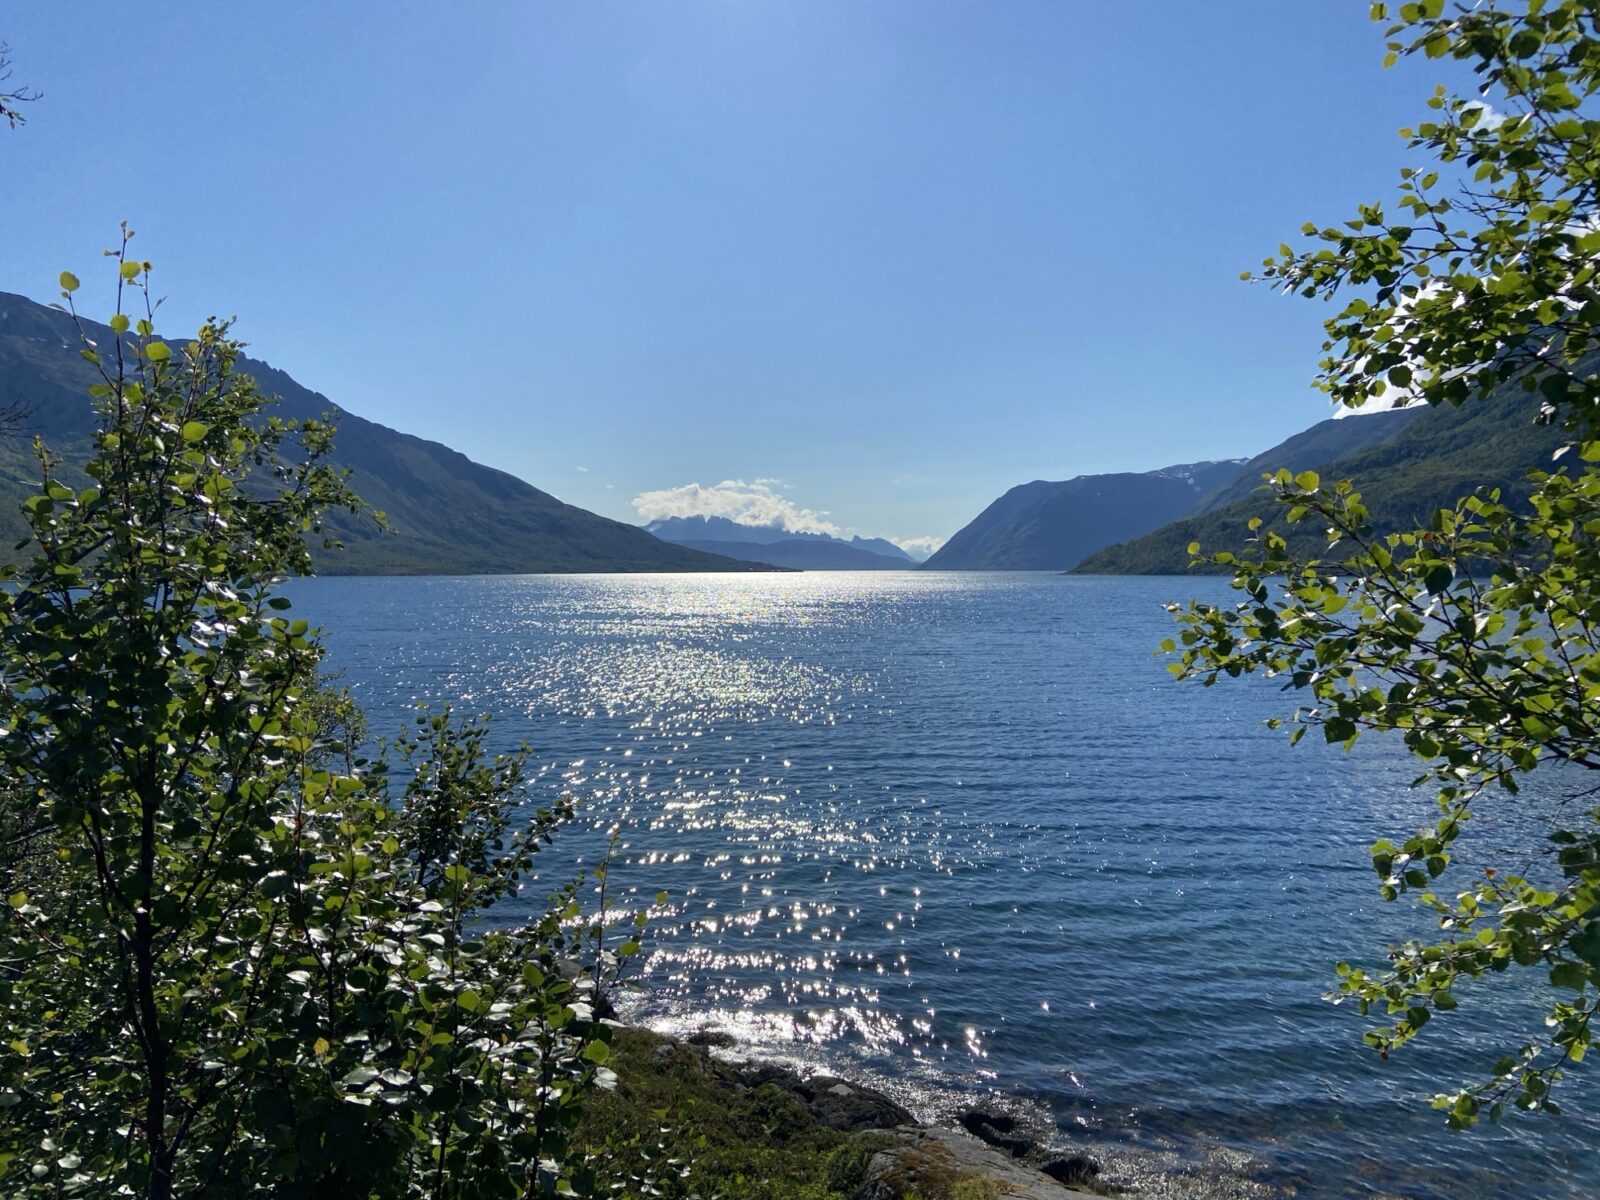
(711, 1134)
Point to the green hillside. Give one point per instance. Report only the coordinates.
(447, 515)
(1312, 449)
(1436, 458)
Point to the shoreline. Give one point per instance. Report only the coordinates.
(996, 1138)
(868, 1145)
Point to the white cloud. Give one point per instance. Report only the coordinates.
(585, 470)
(1396, 396)
(1488, 117)
(745, 503)
(919, 545)
(1376, 404)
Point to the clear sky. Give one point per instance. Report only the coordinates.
(891, 256)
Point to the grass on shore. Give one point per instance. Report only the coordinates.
(689, 1128)
(687, 1120)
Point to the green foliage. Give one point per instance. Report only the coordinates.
(247, 967)
(1476, 637)
(1485, 270)
(338, 724)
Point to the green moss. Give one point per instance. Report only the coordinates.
(931, 1173)
(703, 1134)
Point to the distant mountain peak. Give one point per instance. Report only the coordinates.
(1050, 526)
(1406, 461)
(699, 531)
(1192, 472)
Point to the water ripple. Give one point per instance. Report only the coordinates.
(961, 833)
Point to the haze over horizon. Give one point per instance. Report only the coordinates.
(846, 268)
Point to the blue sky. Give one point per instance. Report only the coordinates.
(890, 256)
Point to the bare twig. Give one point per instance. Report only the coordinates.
(10, 98)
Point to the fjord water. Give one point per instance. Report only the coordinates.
(963, 833)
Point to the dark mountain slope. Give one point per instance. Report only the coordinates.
(805, 555)
(1313, 449)
(1044, 526)
(447, 514)
(1441, 455)
(697, 531)
(881, 546)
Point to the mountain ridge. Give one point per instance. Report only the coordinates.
(801, 555)
(1311, 450)
(1050, 525)
(447, 514)
(738, 540)
(1432, 459)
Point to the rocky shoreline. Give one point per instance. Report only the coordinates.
(989, 1152)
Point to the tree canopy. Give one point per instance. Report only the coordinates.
(1476, 639)
(236, 957)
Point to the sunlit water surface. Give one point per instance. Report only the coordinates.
(962, 833)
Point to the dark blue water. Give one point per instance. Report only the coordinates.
(962, 832)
